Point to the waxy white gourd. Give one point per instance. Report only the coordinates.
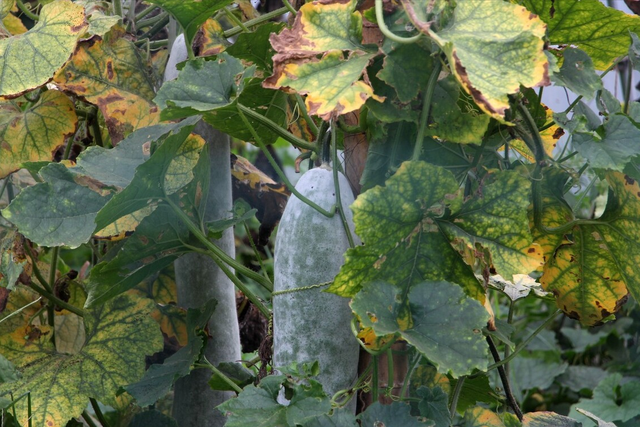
(311, 324)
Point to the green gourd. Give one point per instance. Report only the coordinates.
(311, 324)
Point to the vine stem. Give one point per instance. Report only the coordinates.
(24, 9)
(255, 21)
(336, 182)
(98, 411)
(305, 113)
(455, 396)
(219, 373)
(87, 419)
(426, 107)
(387, 32)
(278, 170)
(505, 379)
(57, 301)
(218, 253)
(407, 380)
(272, 126)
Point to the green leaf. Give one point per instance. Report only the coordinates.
(8, 372)
(534, 373)
(397, 413)
(111, 74)
(404, 244)
(258, 406)
(255, 48)
(439, 320)
(546, 419)
(337, 419)
(310, 59)
(601, 31)
(456, 117)
(121, 327)
(158, 379)
(30, 60)
(599, 421)
(613, 150)
(612, 401)
(406, 68)
(57, 212)
(100, 21)
(34, 134)
(191, 14)
(493, 48)
(169, 169)
(579, 378)
(434, 405)
(578, 74)
(634, 51)
(581, 339)
(481, 417)
(234, 371)
(608, 104)
(475, 390)
(117, 166)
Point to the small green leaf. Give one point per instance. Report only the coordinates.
(398, 413)
(440, 321)
(191, 14)
(434, 405)
(34, 134)
(612, 401)
(258, 406)
(578, 74)
(57, 212)
(255, 48)
(8, 372)
(158, 379)
(475, 390)
(30, 60)
(601, 31)
(491, 64)
(406, 68)
(546, 419)
(121, 327)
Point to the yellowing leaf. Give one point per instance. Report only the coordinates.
(110, 74)
(31, 59)
(493, 47)
(34, 134)
(482, 417)
(210, 40)
(119, 334)
(13, 25)
(331, 82)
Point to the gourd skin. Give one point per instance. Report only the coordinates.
(311, 324)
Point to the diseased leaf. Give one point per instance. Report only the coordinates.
(601, 31)
(59, 211)
(310, 58)
(191, 14)
(100, 22)
(13, 260)
(158, 379)
(30, 60)
(493, 48)
(440, 321)
(546, 419)
(121, 327)
(397, 413)
(34, 134)
(110, 74)
(210, 39)
(481, 417)
(578, 74)
(612, 401)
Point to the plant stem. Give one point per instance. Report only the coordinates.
(387, 32)
(505, 379)
(36, 270)
(507, 349)
(99, 414)
(57, 301)
(219, 373)
(229, 14)
(336, 183)
(24, 9)
(87, 419)
(407, 378)
(145, 12)
(289, 7)
(255, 249)
(253, 22)
(153, 20)
(455, 396)
(279, 171)
(426, 107)
(117, 7)
(627, 89)
(374, 378)
(155, 29)
(305, 114)
(275, 128)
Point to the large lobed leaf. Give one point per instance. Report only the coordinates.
(30, 60)
(119, 336)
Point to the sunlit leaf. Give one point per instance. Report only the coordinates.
(46, 218)
(493, 48)
(111, 74)
(601, 31)
(481, 417)
(34, 134)
(30, 60)
(612, 401)
(9, 23)
(122, 327)
(331, 82)
(158, 379)
(440, 321)
(191, 14)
